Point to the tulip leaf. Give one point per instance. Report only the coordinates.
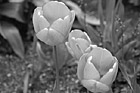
(119, 12)
(101, 15)
(108, 33)
(12, 35)
(90, 18)
(122, 68)
(110, 10)
(93, 34)
(121, 52)
(62, 55)
(119, 9)
(41, 57)
(12, 10)
(121, 31)
(136, 87)
(40, 52)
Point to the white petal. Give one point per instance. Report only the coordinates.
(96, 56)
(69, 49)
(54, 10)
(75, 48)
(95, 86)
(110, 75)
(76, 33)
(62, 26)
(106, 61)
(43, 23)
(90, 48)
(90, 72)
(72, 16)
(81, 65)
(55, 37)
(43, 35)
(37, 13)
(87, 37)
(83, 44)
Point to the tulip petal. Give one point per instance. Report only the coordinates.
(90, 72)
(81, 65)
(55, 37)
(75, 33)
(43, 35)
(106, 61)
(83, 44)
(61, 25)
(69, 49)
(90, 48)
(87, 37)
(78, 34)
(43, 23)
(36, 15)
(96, 56)
(108, 78)
(72, 16)
(115, 73)
(75, 48)
(95, 86)
(54, 10)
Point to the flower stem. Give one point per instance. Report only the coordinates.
(57, 83)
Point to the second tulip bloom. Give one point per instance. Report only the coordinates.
(78, 42)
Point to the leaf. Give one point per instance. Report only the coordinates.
(90, 19)
(11, 33)
(119, 9)
(110, 10)
(136, 87)
(62, 55)
(93, 34)
(13, 10)
(41, 57)
(108, 34)
(101, 14)
(121, 31)
(116, 27)
(121, 52)
(122, 68)
(40, 52)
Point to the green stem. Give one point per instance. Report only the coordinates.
(57, 83)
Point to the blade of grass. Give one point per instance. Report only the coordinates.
(108, 31)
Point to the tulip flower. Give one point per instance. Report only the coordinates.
(52, 22)
(78, 42)
(97, 70)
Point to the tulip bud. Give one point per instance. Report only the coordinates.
(78, 42)
(97, 70)
(52, 22)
